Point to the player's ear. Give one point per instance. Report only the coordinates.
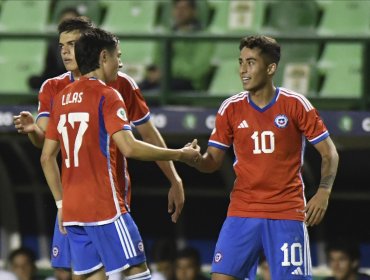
(103, 55)
(271, 68)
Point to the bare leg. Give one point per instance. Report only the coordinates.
(218, 276)
(136, 269)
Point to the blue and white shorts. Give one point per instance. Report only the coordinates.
(284, 242)
(116, 246)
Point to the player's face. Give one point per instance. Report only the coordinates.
(67, 42)
(253, 69)
(112, 64)
(341, 265)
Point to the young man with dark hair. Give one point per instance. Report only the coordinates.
(188, 265)
(344, 261)
(137, 111)
(89, 125)
(267, 127)
(22, 262)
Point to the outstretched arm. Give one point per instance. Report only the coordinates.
(25, 124)
(210, 161)
(176, 197)
(316, 207)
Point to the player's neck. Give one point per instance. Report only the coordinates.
(76, 74)
(263, 96)
(96, 74)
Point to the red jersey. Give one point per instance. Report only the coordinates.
(85, 115)
(269, 146)
(138, 112)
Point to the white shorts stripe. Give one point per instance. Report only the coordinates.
(121, 238)
(130, 244)
(125, 238)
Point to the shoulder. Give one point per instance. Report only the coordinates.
(295, 98)
(62, 79)
(125, 79)
(232, 101)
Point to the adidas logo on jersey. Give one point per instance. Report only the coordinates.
(297, 271)
(243, 124)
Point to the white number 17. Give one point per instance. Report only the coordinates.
(83, 118)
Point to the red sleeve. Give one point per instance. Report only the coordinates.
(52, 129)
(222, 134)
(310, 123)
(45, 99)
(115, 112)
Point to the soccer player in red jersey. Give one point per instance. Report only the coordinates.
(267, 127)
(137, 111)
(89, 124)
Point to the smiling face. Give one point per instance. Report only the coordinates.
(255, 72)
(67, 42)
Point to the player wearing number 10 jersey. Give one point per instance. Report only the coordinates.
(267, 127)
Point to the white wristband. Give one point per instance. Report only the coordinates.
(59, 203)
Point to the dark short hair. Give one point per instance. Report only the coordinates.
(81, 24)
(89, 47)
(24, 251)
(270, 49)
(192, 3)
(348, 247)
(189, 253)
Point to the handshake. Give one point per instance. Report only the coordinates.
(190, 153)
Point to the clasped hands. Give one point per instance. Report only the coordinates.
(191, 153)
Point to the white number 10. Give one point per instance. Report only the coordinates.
(258, 149)
(83, 118)
(294, 257)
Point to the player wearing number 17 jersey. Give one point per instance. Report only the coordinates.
(267, 127)
(88, 123)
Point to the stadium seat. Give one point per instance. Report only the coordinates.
(19, 59)
(203, 13)
(345, 17)
(90, 8)
(226, 80)
(341, 65)
(136, 55)
(24, 16)
(287, 17)
(297, 68)
(225, 51)
(237, 16)
(130, 16)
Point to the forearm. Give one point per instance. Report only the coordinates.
(206, 164)
(52, 175)
(329, 165)
(167, 167)
(37, 136)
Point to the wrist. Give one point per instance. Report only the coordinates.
(59, 203)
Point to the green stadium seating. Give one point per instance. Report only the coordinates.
(297, 68)
(237, 16)
(130, 16)
(226, 80)
(24, 16)
(90, 8)
(287, 17)
(136, 55)
(341, 65)
(345, 18)
(19, 59)
(225, 51)
(203, 13)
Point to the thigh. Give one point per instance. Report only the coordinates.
(287, 249)
(84, 255)
(60, 254)
(119, 244)
(238, 247)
